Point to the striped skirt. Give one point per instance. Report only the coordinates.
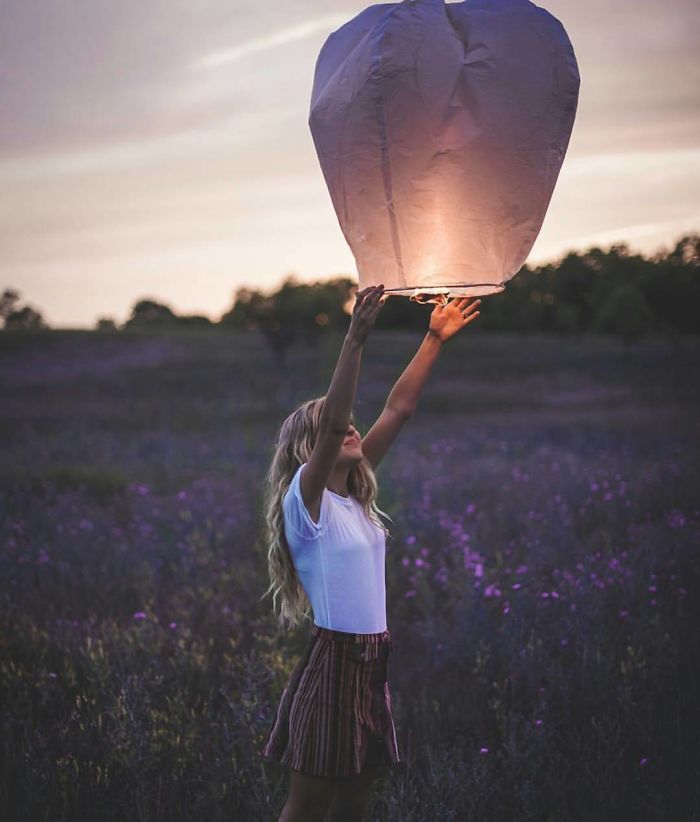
(334, 716)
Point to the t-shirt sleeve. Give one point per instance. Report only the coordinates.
(296, 515)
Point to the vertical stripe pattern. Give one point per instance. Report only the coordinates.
(334, 716)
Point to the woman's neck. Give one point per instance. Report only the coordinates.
(338, 480)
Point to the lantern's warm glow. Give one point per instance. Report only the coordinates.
(423, 297)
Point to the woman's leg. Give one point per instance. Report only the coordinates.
(309, 798)
(352, 796)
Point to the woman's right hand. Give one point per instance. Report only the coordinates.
(367, 306)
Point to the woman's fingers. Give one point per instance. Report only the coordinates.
(371, 294)
(365, 312)
(361, 294)
(369, 308)
(463, 303)
(368, 289)
(377, 307)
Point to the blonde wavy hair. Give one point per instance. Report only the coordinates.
(295, 442)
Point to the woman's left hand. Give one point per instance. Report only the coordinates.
(445, 321)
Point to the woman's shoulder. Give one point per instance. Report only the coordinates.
(294, 478)
(297, 515)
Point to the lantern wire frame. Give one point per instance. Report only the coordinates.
(440, 295)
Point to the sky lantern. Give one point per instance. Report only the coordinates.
(441, 130)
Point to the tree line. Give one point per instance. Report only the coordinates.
(614, 291)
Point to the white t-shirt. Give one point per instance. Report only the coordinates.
(339, 560)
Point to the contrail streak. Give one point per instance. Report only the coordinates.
(279, 38)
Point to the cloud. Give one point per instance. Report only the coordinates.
(609, 165)
(633, 234)
(278, 38)
(233, 132)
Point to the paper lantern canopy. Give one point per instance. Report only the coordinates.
(441, 130)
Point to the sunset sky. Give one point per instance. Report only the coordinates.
(161, 148)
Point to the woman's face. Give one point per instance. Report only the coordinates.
(351, 449)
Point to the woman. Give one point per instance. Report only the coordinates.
(333, 726)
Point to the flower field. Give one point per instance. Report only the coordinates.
(543, 576)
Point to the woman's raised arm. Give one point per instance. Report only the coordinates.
(337, 407)
(403, 397)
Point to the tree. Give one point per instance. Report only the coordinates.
(106, 324)
(24, 319)
(148, 313)
(566, 319)
(8, 302)
(296, 312)
(687, 250)
(193, 321)
(626, 314)
(248, 304)
(15, 318)
(671, 285)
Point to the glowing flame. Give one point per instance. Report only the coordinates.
(419, 296)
